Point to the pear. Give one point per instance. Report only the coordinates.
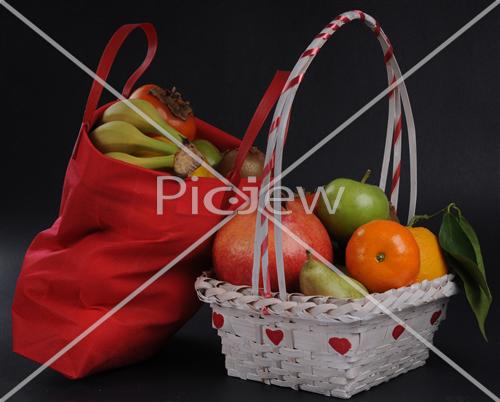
(120, 136)
(120, 111)
(317, 279)
(152, 162)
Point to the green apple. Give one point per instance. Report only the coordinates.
(358, 203)
(209, 151)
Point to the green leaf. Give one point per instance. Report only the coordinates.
(471, 234)
(463, 252)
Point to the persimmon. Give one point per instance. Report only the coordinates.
(383, 255)
(172, 107)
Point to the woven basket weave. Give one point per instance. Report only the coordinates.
(330, 346)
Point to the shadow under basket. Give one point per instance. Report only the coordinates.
(334, 347)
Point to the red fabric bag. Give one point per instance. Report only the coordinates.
(108, 240)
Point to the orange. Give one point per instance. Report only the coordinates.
(432, 262)
(383, 255)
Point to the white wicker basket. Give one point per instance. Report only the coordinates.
(330, 346)
(319, 344)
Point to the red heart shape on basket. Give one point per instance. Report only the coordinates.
(275, 335)
(341, 345)
(435, 316)
(397, 331)
(218, 320)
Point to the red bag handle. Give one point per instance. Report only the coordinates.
(265, 106)
(108, 58)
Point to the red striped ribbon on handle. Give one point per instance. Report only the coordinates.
(277, 134)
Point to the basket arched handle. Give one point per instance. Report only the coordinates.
(274, 152)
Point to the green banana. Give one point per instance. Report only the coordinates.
(152, 162)
(122, 112)
(120, 136)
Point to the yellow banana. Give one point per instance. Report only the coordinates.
(153, 162)
(122, 112)
(120, 136)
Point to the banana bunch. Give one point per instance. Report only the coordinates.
(122, 135)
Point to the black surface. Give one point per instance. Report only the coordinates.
(222, 54)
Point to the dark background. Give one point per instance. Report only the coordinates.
(222, 54)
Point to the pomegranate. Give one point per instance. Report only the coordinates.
(234, 242)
